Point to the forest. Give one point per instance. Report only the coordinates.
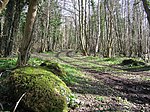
(74, 55)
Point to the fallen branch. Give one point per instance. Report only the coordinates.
(1, 106)
(18, 102)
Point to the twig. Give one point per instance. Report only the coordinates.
(18, 102)
(1, 106)
(1, 74)
(136, 3)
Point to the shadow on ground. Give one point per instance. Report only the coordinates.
(133, 69)
(85, 86)
(139, 69)
(134, 91)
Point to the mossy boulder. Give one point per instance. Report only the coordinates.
(131, 62)
(54, 67)
(45, 92)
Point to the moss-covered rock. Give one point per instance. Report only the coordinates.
(45, 92)
(54, 67)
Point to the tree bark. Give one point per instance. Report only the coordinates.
(3, 4)
(23, 56)
(7, 30)
(11, 24)
(147, 9)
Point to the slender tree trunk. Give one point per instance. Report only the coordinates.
(23, 56)
(85, 28)
(81, 27)
(8, 27)
(14, 27)
(99, 28)
(147, 9)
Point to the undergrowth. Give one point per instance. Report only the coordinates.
(74, 67)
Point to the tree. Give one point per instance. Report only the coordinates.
(82, 18)
(24, 49)
(146, 5)
(3, 4)
(10, 28)
(102, 27)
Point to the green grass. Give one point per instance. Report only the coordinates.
(108, 65)
(73, 74)
(7, 63)
(74, 67)
(52, 53)
(93, 63)
(99, 60)
(11, 63)
(35, 61)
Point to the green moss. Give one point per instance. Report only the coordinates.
(54, 68)
(45, 92)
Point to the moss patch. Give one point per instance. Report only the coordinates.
(54, 67)
(45, 92)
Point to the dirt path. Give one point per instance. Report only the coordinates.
(106, 92)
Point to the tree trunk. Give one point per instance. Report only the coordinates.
(7, 30)
(15, 26)
(12, 18)
(23, 56)
(3, 4)
(81, 27)
(147, 10)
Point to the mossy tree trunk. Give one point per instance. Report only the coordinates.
(24, 49)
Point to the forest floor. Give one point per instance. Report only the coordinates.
(103, 85)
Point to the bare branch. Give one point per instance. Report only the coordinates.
(19, 102)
